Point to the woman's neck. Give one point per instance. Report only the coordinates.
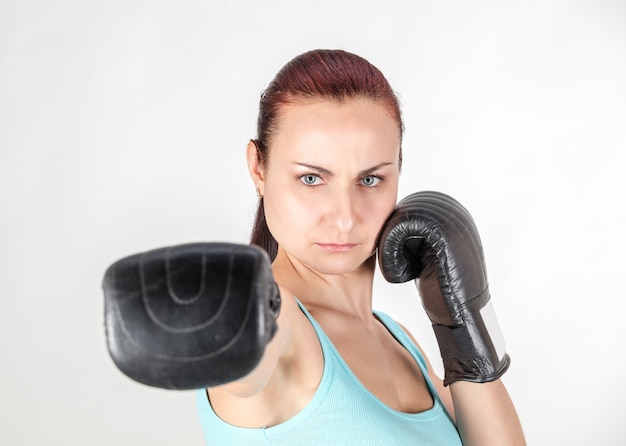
(346, 293)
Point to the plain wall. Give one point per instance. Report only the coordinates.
(123, 127)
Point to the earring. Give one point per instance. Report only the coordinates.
(258, 193)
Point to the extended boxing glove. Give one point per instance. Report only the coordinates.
(190, 316)
(432, 238)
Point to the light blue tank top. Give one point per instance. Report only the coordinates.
(342, 411)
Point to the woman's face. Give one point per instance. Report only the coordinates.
(331, 181)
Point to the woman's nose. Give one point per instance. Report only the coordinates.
(341, 212)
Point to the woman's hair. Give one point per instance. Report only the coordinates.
(319, 74)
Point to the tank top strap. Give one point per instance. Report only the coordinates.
(402, 337)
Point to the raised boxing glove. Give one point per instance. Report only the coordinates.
(190, 316)
(432, 238)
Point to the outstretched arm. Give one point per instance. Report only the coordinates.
(210, 315)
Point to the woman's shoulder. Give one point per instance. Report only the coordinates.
(294, 318)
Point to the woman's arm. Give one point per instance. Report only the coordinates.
(485, 414)
(277, 348)
(292, 361)
(431, 237)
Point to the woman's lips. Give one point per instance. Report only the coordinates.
(337, 247)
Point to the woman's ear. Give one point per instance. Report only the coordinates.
(255, 168)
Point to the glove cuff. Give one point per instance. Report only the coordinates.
(467, 357)
(474, 370)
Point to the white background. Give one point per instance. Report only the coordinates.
(123, 125)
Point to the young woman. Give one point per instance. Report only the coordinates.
(326, 164)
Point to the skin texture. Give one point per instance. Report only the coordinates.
(329, 184)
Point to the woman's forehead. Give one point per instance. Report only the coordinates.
(334, 119)
(359, 133)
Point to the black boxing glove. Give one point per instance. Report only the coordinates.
(190, 316)
(432, 238)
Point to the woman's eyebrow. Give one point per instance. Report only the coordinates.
(316, 168)
(327, 172)
(371, 170)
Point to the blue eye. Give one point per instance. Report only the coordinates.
(310, 179)
(370, 181)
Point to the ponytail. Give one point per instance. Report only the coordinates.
(261, 235)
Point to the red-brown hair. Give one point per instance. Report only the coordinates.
(319, 74)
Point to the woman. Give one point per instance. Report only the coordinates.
(326, 165)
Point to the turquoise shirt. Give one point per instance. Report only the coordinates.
(342, 411)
